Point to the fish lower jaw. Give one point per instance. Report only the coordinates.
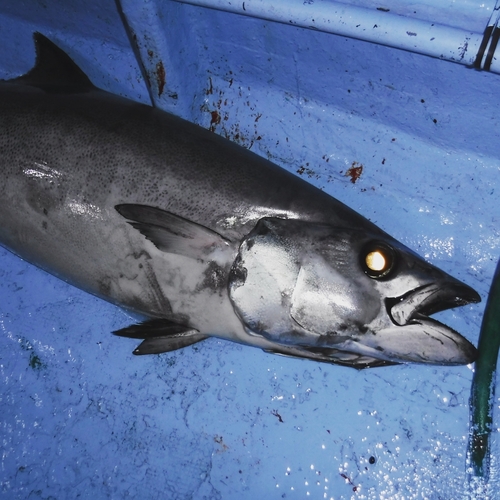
(423, 340)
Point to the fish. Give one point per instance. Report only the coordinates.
(202, 237)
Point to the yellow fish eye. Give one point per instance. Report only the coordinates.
(378, 260)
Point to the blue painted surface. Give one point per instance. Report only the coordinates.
(82, 417)
(453, 31)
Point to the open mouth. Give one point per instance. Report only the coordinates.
(429, 299)
(413, 337)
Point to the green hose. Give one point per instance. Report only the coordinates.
(483, 383)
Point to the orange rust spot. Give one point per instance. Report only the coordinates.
(215, 120)
(355, 171)
(160, 77)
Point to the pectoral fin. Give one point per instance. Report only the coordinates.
(171, 233)
(160, 335)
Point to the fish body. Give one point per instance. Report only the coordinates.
(203, 237)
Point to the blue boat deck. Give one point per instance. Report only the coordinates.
(409, 141)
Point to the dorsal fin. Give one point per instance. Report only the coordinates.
(54, 70)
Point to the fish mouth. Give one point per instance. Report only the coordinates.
(419, 339)
(429, 299)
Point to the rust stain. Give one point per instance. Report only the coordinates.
(215, 120)
(355, 171)
(160, 77)
(220, 119)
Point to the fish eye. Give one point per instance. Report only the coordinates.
(378, 260)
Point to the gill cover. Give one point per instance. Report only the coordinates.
(294, 281)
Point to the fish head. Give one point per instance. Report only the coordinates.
(345, 296)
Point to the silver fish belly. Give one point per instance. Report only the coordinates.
(203, 237)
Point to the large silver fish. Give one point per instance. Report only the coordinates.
(203, 237)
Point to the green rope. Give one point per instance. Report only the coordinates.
(483, 383)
